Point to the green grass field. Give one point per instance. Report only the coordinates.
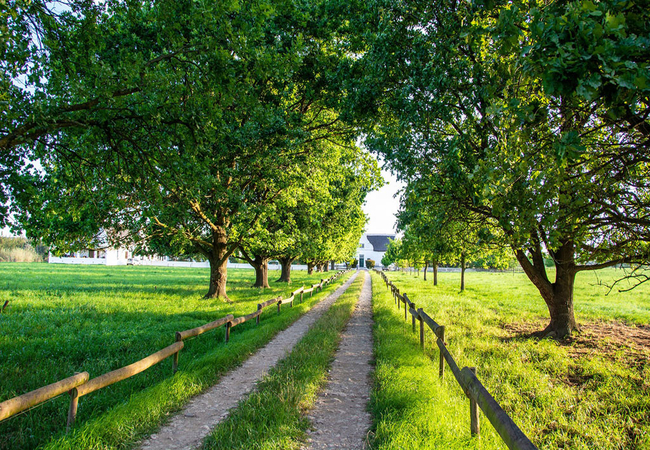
(590, 392)
(67, 319)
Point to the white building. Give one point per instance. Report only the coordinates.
(373, 246)
(123, 257)
(108, 257)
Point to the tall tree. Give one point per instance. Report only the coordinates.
(175, 123)
(532, 116)
(456, 237)
(317, 218)
(332, 224)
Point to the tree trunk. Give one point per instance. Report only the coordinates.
(558, 296)
(285, 275)
(560, 305)
(332, 264)
(310, 268)
(261, 266)
(326, 267)
(426, 267)
(435, 273)
(218, 265)
(462, 272)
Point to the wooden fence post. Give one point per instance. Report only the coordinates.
(301, 292)
(72, 411)
(421, 328)
(413, 318)
(257, 319)
(473, 412)
(279, 305)
(228, 326)
(441, 335)
(406, 305)
(175, 359)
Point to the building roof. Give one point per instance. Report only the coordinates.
(380, 241)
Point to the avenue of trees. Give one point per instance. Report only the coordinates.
(181, 126)
(229, 128)
(527, 122)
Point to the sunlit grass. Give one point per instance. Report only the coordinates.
(561, 395)
(66, 319)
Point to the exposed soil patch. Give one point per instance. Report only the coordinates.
(629, 344)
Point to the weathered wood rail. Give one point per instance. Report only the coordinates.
(80, 384)
(466, 377)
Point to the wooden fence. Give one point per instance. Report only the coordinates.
(478, 395)
(80, 384)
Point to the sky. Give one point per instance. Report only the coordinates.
(381, 206)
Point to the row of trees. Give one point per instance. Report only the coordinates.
(411, 251)
(189, 124)
(525, 124)
(183, 127)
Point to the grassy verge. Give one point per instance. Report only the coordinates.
(63, 319)
(583, 394)
(273, 416)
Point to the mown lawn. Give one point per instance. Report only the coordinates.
(67, 319)
(589, 392)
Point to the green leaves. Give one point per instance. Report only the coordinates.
(181, 124)
(531, 119)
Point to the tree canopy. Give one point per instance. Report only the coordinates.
(533, 116)
(174, 124)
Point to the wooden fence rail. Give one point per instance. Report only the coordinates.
(479, 396)
(23, 402)
(180, 335)
(79, 384)
(120, 374)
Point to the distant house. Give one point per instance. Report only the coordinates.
(373, 246)
(106, 255)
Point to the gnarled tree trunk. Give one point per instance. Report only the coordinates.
(218, 259)
(310, 268)
(285, 275)
(426, 267)
(261, 266)
(558, 296)
(435, 273)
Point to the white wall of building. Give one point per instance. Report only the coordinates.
(123, 258)
(367, 251)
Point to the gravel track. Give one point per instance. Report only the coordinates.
(188, 428)
(340, 418)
